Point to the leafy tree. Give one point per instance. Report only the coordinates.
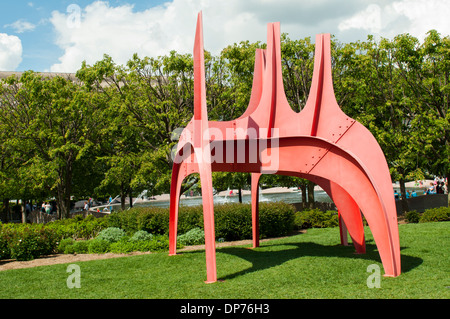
(425, 69)
(51, 122)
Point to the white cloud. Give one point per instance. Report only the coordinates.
(368, 19)
(415, 17)
(424, 15)
(21, 26)
(10, 52)
(120, 31)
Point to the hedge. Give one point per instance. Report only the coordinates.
(232, 221)
(30, 241)
(26, 242)
(147, 228)
(439, 214)
(315, 218)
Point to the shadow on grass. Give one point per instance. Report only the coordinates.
(271, 255)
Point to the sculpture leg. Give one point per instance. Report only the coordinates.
(342, 231)
(349, 218)
(255, 208)
(354, 179)
(341, 168)
(208, 218)
(175, 188)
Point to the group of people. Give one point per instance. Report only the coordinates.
(46, 208)
(409, 194)
(438, 186)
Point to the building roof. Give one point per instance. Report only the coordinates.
(6, 74)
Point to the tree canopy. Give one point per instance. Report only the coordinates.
(109, 130)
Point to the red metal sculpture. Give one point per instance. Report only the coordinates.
(320, 144)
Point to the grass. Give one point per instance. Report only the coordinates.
(311, 265)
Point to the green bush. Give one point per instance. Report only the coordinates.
(315, 218)
(190, 218)
(141, 235)
(64, 243)
(111, 234)
(78, 247)
(412, 216)
(195, 236)
(78, 227)
(30, 242)
(158, 243)
(98, 246)
(154, 220)
(232, 221)
(440, 214)
(275, 219)
(125, 246)
(5, 239)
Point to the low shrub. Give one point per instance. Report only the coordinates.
(5, 238)
(157, 243)
(27, 243)
(98, 246)
(276, 219)
(315, 218)
(412, 217)
(195, 236)
(78, 247)
(64, 243)
(78, 227)
(141, 235)
(439, 214)
(111, 234)
(232, 221)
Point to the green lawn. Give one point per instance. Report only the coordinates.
(311, 265)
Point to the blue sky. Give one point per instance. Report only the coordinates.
(58, 35)
(39, 48)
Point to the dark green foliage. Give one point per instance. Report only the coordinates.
(435, 215)
(78, 247)
(28, 242)
(66, 242)
(98, 246)
(78, 227)
(276, 219)
(412, 216)
(232, 221)
(315, 218)
(157, 243)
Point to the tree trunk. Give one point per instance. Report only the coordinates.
(24, 212)
(5, 212)
(64, 191)
(123, 196)
(240, 195)
(311, 198)
(131, 197)
(405, 207)
(304, 198)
